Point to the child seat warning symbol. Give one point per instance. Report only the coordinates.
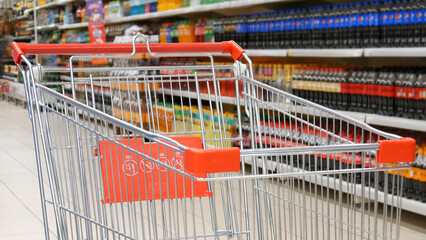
(141, 174)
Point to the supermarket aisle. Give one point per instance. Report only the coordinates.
(20, 211)
(20, 208)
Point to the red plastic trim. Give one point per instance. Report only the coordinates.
(396, 151)
(19, 49)
(200, 162)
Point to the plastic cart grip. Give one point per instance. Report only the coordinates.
(229, 47)
(202, 161)
(396, 151)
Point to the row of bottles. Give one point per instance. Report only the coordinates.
(387, 23)
(187, 31)
(397, 92)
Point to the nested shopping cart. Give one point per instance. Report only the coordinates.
(153, 151)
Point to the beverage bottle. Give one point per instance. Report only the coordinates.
(330, 27)
(411, 94)
(296, 82)
(169, 33)
(323, 81)
(305, 29)
(175, 32)
(353, 88)
(335, 95)
(377, 24)
(311, 80)
(391, 101)
(232, 29)
(403, 22)
(420, 98)
(400, 93)
(271, 30)
(218, 30)
(408, 14)
(199, 30)
(359, 23)
(338, 26)
(277, 76)
(251, 25)
(291, 33)
(423, 23)
(344, 89)
(416, 24)
(259, 31)
(323, 31)
(380, 82)
(241, 31)
(329, 89)
(362, 103)
(372, 91)
(277, 21)
(315, 26)
(190, 32)
(353, 18)
(180, 29)
(264, 31)
(285, 33)
(397, 9)
(384, 22)
(209, 31)
(225, 29)
(298, 23)
(163, 33)
(312, 83)
(373, 34)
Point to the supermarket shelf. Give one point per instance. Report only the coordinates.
(47, 27)
(22, 17)
(191, 9)
(9, 78)
(325, 52)
(268, 53)
(10, 74)
(336, 53)
(74, 26)
(395, 52)
(407, 204)
(50, 5)
(30, 37)
(396, 122)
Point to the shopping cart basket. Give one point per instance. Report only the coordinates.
(152, 152)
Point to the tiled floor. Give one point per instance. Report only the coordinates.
(20, 211)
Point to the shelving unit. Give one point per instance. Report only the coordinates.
(74, 26)
(324, 52)
(23, 38)
(192, 9)
(406, 204)
(339, 53)
(50, 5)
(373, 119)
(47, 27)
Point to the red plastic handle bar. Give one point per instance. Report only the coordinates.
(229, 47)
(395, 151)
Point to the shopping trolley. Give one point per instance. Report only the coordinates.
(153, 152)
